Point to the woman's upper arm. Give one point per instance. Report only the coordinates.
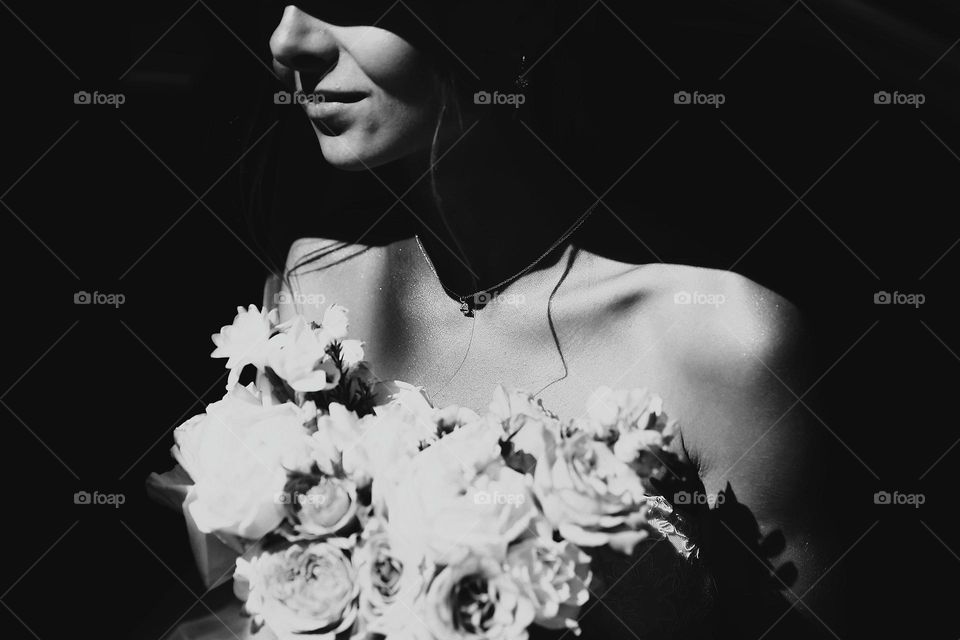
(759, 451)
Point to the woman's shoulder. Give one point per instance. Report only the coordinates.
(721, 319)
(715, 338)
(706, 319)
(318, 271)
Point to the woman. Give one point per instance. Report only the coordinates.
(489, 280)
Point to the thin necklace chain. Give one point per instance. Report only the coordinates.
(468, 302)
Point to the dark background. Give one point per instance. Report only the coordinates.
(105, 199)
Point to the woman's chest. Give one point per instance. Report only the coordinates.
(555, 347)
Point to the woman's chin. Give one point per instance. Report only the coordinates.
(345, 152)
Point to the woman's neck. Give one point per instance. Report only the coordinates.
(504, 199)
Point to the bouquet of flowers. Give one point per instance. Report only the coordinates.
(350, 507)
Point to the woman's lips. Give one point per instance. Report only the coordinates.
(327, 111)
(345, 97)
(326, 105)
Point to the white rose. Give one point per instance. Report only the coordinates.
(590, 496)
(473, 599)
(459, 493)
(237, 454)
(634, 424)
(391, 438)
(305, 590)
(337, 443)
(390, 584)
(319, 506)
(556, 576)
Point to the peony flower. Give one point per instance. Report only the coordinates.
(589, 495)
(556, 576)
(245, 341)
(300, 358)
(389, 584)
(237, 454)
(319, 505)
(474, 598)
(303, 589)
(458, 493)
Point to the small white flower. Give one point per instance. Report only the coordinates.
(335, 322)
(351, 352)
(245, 341)
(300, 358)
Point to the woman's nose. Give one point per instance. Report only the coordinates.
(303, 43)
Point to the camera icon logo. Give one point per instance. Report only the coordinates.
(81, 97)
(281, 97)
(682, 297)
(882, 497)
(682, 497)
(482, 97)
(882, 297)
(681, 97)
(881, 97)
(81, 497)
(82, 297)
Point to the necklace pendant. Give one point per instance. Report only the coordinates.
(465, 309)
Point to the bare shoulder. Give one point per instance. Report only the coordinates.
(316, 272)
(719, 323)
(304, 252)
(728, 355)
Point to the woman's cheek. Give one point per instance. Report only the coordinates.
(392, 64)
